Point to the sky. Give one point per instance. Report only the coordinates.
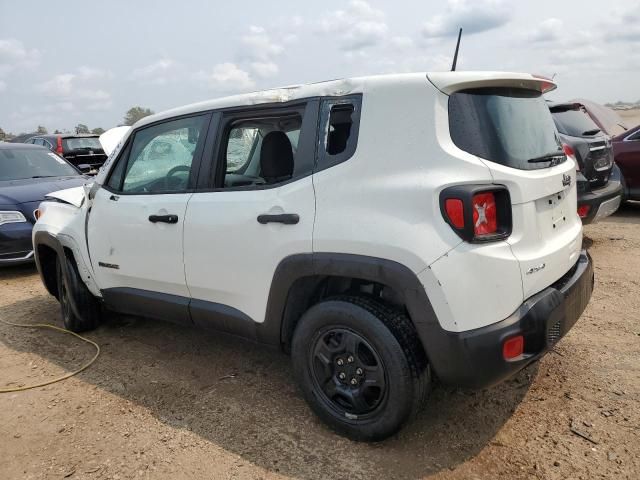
(69, 62)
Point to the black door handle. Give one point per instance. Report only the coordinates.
(163, 218)
(284, 218)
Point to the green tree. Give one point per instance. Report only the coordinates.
(82, 128)
(136, 113)
(2, 135)
(98, 131)
(56, 131)
(41, 130)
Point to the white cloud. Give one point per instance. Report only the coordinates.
(264, 69)
(13, 54)
(159, 72)
(473, 17)
(3, 86)
(357, 27)
(401, 42)
(549, 30)
(623, 25)
(258, 44)
(80, 87)
(59, 85)
(227, 77)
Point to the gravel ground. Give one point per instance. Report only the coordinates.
(164, 401)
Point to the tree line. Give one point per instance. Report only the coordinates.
(132, 116)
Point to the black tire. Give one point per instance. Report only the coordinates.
(383, 338)
(80, 309)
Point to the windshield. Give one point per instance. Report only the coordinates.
(509, 126)
(575, 123)
(83, 143)
(18, 164)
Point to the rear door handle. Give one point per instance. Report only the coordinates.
(163, 218)
(284, 218)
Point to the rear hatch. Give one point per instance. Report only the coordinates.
(84, 150)
(592, 147)
(503, 120)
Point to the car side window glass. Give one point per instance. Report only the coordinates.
(161, 156)
(258, 152)
(634, 137)
(339, 127)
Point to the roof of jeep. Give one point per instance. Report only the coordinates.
(447, 82)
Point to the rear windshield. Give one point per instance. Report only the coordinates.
(509, 126)
(83, 143)
(24, 163)
(575, 123)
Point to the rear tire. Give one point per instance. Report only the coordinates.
(72, 291)
(360, 366)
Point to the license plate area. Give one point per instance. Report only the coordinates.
(558, 210)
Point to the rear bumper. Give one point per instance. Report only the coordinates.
(474, 359)
(603, 201)
(15, 243)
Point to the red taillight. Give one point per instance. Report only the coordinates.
(485, 214)
(583, 210)
(513, 347)
(547, 84)
(455, 211)
(59, 146)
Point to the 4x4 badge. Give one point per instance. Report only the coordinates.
(566, 180)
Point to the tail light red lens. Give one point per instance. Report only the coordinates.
(477, 213)
(583, 210)
(485, 215)
(513, 347)
(59, 150)
(455, 211)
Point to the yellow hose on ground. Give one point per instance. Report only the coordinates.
(58, 379)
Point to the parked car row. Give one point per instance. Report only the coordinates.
(85, 152)
(418, 226)
(27, 174)
(599, 185)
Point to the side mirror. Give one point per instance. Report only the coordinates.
(84, 167)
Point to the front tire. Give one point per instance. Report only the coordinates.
(360, 366)
(80, 309)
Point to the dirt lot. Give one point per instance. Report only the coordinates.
(631, 117)
(163, 401)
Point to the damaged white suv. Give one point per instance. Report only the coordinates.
(382, 230)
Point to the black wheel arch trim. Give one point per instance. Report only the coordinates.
(386, 272)
(49, 240)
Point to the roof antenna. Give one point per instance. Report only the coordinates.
(455, 56)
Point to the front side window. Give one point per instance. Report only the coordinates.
(160, 157)
(509, 126)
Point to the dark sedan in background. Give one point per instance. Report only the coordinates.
(626, 148)
(598, 179)
(85, 152)
(27, 174)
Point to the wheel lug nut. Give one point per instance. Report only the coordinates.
(359, 371)
(350, 359)
(342, 376)
(354, 381)
(340, 362)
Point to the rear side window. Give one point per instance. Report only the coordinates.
(339, 128)
(574, 122)
(509, 126)
(82, 143)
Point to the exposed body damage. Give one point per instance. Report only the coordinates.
(63, 218)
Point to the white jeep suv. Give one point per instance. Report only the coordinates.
(382, 230)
